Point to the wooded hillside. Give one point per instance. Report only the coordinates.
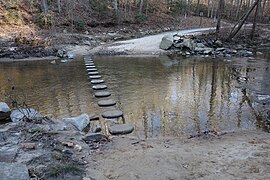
(79, 15)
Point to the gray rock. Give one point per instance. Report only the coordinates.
(95, 137)
(166, 42)
(188, 43)
(107, 102)
(97, 129)
(4, 111)
(218, 43)
(110, 114)
(207, 51)
(94, 117)
(13, 171)
(25, 114)
(220, 49)
(97, 81)
(200, 45)
(99, 87)
(80, 122)
(70, 55)
(60, 53)
(121, 129)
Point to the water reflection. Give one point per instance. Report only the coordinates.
(161, 96)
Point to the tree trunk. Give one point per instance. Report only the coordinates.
(116, 12)
(240, 23)
(45, 6)
(141, 6)
(220, 11)
(198, 7)
(255, 20)
(59, 6)
(208, 8)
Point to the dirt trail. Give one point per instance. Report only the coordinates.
(241, 155)
(148, 45)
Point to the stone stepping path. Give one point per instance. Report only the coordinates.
(95, 77)
(90, 66)
(111, 114)
(120, 129)
(97, 81)
(106, 103)
(93, 73)
(91, 69)
(101, 94)
(99, 87)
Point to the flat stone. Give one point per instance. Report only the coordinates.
(95, 77)
(88, 64)
(4, 111)
(91, 69)
(111, 114)
(107, 102)
(99, 87)
(119, 129)
(93, 73)
(91, 66)
(102, 94)
(97, 81)
(13, 171)
(95, 137)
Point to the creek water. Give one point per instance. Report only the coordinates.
(160, 96)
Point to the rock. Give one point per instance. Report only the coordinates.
(119, 129)
(166, 42)
(78, 148)
(91, 69)
(200, 45)
(218, 43)
(220, 49)
(53, 62)
(95, 137)
(188, 43)
(70, 55)
(64, 61)
(80, 122)
(111, 114)
(60, 53)
(97, 81)
(28, 145)
(94, 118)
(13, 171)
(68, 144)
(4, 111)
(99, 87)
(102, 94)
(207, 51)
(25, 114)
(95, 77)
(97, 129)
(93, 73)
(108, 102)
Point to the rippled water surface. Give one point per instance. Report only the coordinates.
(160, 96)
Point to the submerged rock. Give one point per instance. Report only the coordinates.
(25, 114)
(13, 171)
(4, 111)
(80, 122)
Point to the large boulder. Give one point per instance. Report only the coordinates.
(4, 111)
(188, 43)
(166, 42)
(25, 114)
(13, 171)
(80, 122)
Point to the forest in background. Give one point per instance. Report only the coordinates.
(80, 15)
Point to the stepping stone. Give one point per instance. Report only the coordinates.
(99, 87)
(120, 129)
(88, 64)
(97, 81)
(111, 114)
(91, 69)
(108, 102)
(102, 94)
(91, 66)
(95, 77)
(93, 73)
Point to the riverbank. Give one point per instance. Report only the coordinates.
(47, 149)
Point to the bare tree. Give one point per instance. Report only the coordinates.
(219, 14)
